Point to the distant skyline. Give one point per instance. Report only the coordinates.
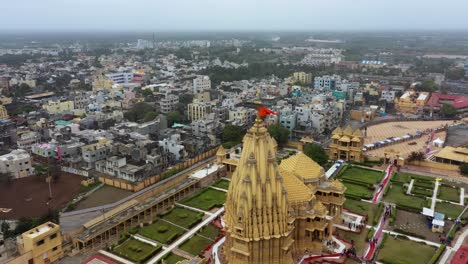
(232, 15)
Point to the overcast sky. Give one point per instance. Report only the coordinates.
(190, 15)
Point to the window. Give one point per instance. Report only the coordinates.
(54, 249)
(40, 242)
(53, 236)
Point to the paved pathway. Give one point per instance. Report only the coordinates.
(378, 194)
(215, 250)
(145, 240)
(193, 208)
(410, 187)
(457, 245)
(115, 257)
(434, 195)
(186, 236)
(219, 189)
(462, 196)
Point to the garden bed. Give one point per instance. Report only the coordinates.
(206, 199)
(195, 245)
(401, 250)
(448, 194)
(397, 195)
(222, 183)
(362, 208)
(183, 217)
(162, 232)
(357, 191)
(362, 175)
(135, 250)
(450, 210)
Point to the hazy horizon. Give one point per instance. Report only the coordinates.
(233, 15)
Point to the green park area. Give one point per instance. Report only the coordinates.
(222, 183)
(172, 259)
(206, 199)
(135, 250)
(401, 178)
(195, 245)
(401, 250)
(209, 231)
(448, 209)
(183, 217)
(362, 208)
(358, 239)
(161, 231)
(397, 195)
(448, 193)
(361, 175)
(357, 191)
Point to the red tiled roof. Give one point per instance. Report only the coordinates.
(461, 256)
(459, 101)
(98, 259)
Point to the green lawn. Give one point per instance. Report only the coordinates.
(161, 231)
(210, 231)
(222, 183)
(359, 239)
(396, 194)
(183, 217)
(361, 208)
(448, 194)
(401, 177)
(402, 251)
(422, 191)
(357, 191)
(450, 210)
(135, 250)
(195, 245)
(362, 175)
(173, 258)
(206, 199)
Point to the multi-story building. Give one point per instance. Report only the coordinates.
(3, 112)
(412, 101)
(201, 83)
(346, 144)
(169, 103)
(241, 116)
(318, 122)
(174, 145)
(121, 77)
(56, 107)
(40, 245)
(302, 77)
(198, 110)
(17, 163)
(288, 119)
(25, 139)
(388, 96)
(95, 152)
(80, 100)
(327, 82)
(119, 168)
(293, 203)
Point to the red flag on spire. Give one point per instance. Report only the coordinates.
(263, 111)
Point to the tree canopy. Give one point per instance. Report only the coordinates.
(464, 169)
(317, 153)
(138, 112)
(448, 110)
(174, 117)
(232, 135)
(150, 116)
(279, 133)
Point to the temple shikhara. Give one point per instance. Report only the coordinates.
(276, 212)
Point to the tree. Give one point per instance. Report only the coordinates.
(464, 169)
(232, 135)
(150, 116)
(22, 90)
(174, 117)
(138, 112)
(279, 133)
(427, 86)
(6, 177)
(448, 110)
(317, 153)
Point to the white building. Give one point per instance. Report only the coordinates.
(118, 167)
(18, 163)
(201, 83)
(327, 82)
(123, 77)
(173, 145)
(169, 103)
(25, 140)
(388, 96)
(241, 116)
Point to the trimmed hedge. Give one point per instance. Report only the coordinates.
(437, 255)
(370, 233)
(409, 233)
(378, 214)
(384, 239)
(393, 216)
(452, 232)
(408, 208)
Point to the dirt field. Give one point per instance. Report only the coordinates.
(417, 224)
(104, 195)
(27, 197)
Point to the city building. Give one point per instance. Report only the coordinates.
(302, 77)
(3, 112)
(388, 95)
(25, 139)
(198, 110)
(95, 152)
(169, 103)
(241, 116)
(346, 144)
(412, 101)
(57, 107)
(40, 245)
(327, 82)
(17, 163)
(121, 77)
(437, 100)
(118, 167)
(275, 212)
(174, 146)
(201, 83)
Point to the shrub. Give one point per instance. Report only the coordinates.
(437, 255)
(370, 233)
(133, 230)
(378, 214)
(393, 216)
(162, 229)
(384, 239)
(123, 237)
(452, 232)
(182, 215)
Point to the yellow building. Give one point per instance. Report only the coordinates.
(275, 212)
(197, 110)
(3, 112)
(346, 144)
(412, 101)
(55, 107)
(101, 82)
(302, 77)
(42, 244)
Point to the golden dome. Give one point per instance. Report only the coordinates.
(357, 133)
(297, 190)
(348, 131)
(336, 136)
(344, 139)
(337, 131)
(302, 167)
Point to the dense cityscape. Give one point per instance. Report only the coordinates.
(234, 147)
